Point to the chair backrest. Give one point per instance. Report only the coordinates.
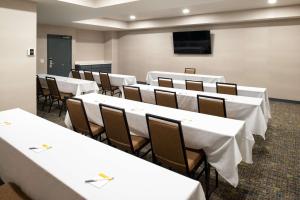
(39, 89)
(167, 143)
(78, 116)
(116, 127)
(165, 98)
(190, 70)
(105, 81)
(165, 82)
(52, 86)
(88, 75)
(211, 105)
(194, 85)
(132, 93)
(75, 74)
(226, 88)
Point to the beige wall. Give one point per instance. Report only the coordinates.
(257, 54)
(87, 45)
(17, 71)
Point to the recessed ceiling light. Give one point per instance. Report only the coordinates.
(132, 17)
(272, 1)
(185, 11)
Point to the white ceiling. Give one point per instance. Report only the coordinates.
(114, 14)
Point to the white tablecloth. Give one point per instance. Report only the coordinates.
(60, 172)
(115, 79)
(242, 91)
(224, 141)
(71, 85)
(153, 75)
(248, 109)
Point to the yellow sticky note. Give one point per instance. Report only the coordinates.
(46, 146)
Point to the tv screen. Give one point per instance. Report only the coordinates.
(192, 42)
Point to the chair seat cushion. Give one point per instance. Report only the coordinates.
(10, 192)
(96, 129)
(138, 142)
(194, 157)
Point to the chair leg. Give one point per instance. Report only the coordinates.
(45, 101)
(207, 178)
(51, 103)
(61, 107)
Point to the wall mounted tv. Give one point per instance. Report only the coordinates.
(192, 42)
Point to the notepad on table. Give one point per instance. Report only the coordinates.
(100, 180)
(38, 149)
(5, 123)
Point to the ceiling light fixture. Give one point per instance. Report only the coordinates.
(272, 1)
(185, 11)
(132, 17)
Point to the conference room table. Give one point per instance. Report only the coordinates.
(225, 141)
(115, 79)
(249, 109)
(70, 85)
(50, 162)
(153, 75)
(247, 91)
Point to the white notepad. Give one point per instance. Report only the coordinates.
(100, 180)
(40, 148)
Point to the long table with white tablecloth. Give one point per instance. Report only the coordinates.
(242, 91)
(225, 141)
(71, 85)
(61, 170)
(153, 75)
(249, 109)
(115, 79)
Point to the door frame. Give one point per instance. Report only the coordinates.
(59, 36)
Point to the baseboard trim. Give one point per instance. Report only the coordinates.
(285, 100)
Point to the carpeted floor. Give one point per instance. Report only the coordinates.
(275, 173)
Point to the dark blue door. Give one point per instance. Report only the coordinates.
(59, 53)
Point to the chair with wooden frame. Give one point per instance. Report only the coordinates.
(132, 93)
(190, 70)
(118, 133)
(88, 75)
(194, 85)
(106, 85)
(44, 92)
(56, 95)
(75, 74)
(169, 150)
(227, 88)
(80, 121)
(165, 82)
(211, 105)
(165, 98)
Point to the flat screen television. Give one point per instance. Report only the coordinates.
(192, 42)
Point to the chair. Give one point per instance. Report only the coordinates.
(56, 95)
(88, 75)
(80, 121)
(117, 131)
(10, 191)
(106, 85)
(226, 88)
(165, 98)
(44, 92)
(211, 105)
(132, 93)
(165, 82)
(190, 70)
(194, 85)
(75, 74)
(168, 148)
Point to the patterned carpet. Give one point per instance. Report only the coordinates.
(275, 173)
